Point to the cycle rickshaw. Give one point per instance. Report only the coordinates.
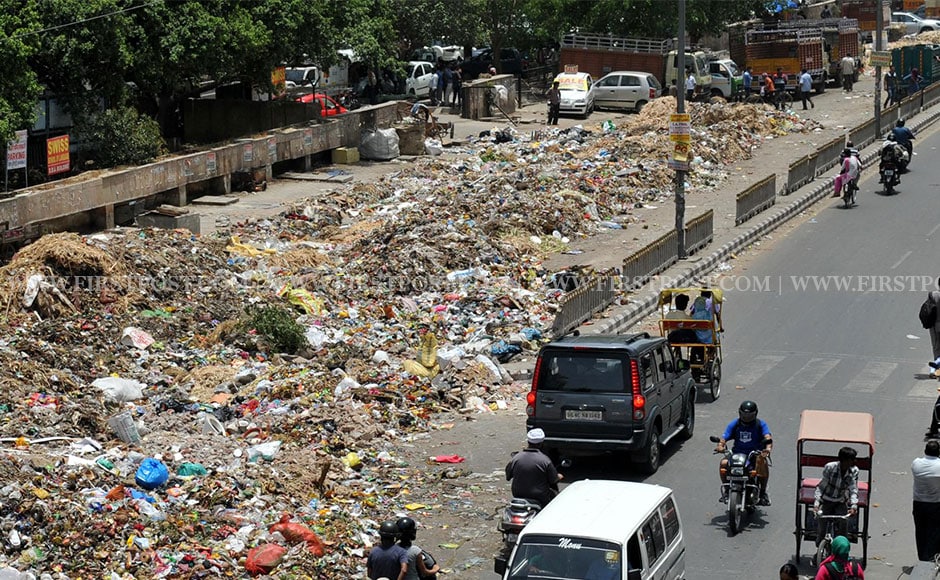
(821, 435)
(685, 335)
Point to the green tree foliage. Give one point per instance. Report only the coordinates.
(19, 87)
(421, 22)
(121, 136)
(659, 18)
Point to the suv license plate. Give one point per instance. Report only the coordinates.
(584, 415)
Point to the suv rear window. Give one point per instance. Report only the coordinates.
(583, 372)
(565, 557)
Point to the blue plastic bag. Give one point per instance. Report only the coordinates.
(151, 474)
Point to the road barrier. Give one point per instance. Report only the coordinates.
(909, 106)
(863, 135)
(801, 172)
(930, 96)
(828, 155)
(699, 232)
(584, 302)
(756, 199)
(639, 267)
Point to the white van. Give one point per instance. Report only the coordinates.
(599, 530)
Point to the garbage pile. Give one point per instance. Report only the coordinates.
(184, 407)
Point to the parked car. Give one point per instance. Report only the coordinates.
(624, 89)
(301, 76)
(328, 107)
(511, 59)
(610, 393)
(577, 93)
(914, 24)
(418, 81)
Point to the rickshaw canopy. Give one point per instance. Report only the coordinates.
(837, 426)
(666, 295)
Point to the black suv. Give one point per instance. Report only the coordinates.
(604, 393)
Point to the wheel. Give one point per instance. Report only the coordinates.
(821, 87)
(889, 187)
(799, 542)
(650, 462)
(714, 378)
(925, 29)
(411, 93)
(734, 513)
(688, 420)
(717, 93)
(823, 551)
(639, 106)
(787, 98)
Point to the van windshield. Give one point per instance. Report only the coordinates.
(583, 371)
(563, 558)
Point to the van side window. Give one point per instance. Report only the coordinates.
(648, 370)
(653, 538)
(670, 519)
(634, 561)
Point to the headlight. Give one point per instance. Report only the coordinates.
(580, 102)
(737, 471)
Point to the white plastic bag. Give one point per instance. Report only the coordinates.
(118, 389)
(379, 144)
(433, 146)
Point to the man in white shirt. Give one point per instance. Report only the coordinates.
(689, 85)
(926, 472)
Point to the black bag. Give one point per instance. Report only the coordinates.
(429, 562)
(928, 313)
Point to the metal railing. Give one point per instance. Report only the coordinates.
(801, 172)
(756, 199)
(584, 302)
(828, 155)
(699, 232)
(622, 44)
(648, 261)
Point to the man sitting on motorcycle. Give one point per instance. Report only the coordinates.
(837, 491)
(904, 136)
(533, 474)
(892, 153)
(851, 169)
(749, 434)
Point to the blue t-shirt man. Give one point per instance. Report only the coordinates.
(747, 436)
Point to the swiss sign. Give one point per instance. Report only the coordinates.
(57, 155)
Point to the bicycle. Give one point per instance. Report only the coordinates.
(824, 550)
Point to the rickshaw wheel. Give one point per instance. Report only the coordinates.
(822, 552)
(713, 369)
(799, 541)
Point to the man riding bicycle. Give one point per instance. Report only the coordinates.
(837, 492)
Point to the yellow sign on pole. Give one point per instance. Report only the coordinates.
(880, 58)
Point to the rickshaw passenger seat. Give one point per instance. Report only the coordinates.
(808, 491)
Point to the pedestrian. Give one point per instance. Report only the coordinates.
(789, 571)
(440, 82)
(848, 73)
(388, 559)
(926, 473)
(826, 12)
(891, 86)
(689, 85)
(806, 85)
(780, 88)
(914, 80)
(554, 103)
(769, 96)
(432, 88)
(448, 85)
(417, 565)
(838, 566)
(747, 79)
(458, 84)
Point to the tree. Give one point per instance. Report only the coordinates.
(420, 22)
(659, 18)
(19, 87)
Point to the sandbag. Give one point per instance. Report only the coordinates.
(379, 144)
(264, 558)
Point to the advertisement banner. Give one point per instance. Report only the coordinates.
(57, 155)
(210, 162)
(16, 151)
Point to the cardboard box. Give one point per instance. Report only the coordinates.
(346, 155)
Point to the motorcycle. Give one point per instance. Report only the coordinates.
(849, 192)
(516, 515)
(741, 488)
(890, 173)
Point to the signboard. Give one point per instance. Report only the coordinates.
(680, 128)
(247, 152)
(571, 68)
(16, 151)
(210, 161)
(57, 155)
(279, 78)
(308, 137)
(272, 149)
(880, 58)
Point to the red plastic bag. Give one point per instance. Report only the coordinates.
(449, 459)
(296, 533)
(264, 558)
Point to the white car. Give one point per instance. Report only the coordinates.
(577, 93)
(625, 89)
(914, 24)
(418, 81)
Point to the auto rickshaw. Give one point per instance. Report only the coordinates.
(821, 435)
(685, 334)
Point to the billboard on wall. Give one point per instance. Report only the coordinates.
(16, 151)
(57, 155)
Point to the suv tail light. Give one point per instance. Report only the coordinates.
(530, 396)
(639, 401)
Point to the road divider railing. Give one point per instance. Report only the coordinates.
(863, 135)
(828, 155)
(801, 172)
(650, 260)
(699, 232)
(756, 199)
(594, 295)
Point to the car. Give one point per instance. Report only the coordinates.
(418, 81)
(328, 107)
(301, 76)
(599, 394)
(914, 24)
(511, 59)
(577, 93)
(625, 89)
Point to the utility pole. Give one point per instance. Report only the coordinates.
(879, 34)
(680, 108)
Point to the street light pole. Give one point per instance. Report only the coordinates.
(680, 108)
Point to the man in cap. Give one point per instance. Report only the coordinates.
(532, 473)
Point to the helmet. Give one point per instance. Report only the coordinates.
(845, 153)
(900, 123)
(747, 412)
(388, 529)
(407, 527)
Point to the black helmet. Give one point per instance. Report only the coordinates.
(388, 529)
(747, 412)
(407, 527)
(900, 123)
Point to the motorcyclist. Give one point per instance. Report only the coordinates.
(532, 473)
(837, 491)
(851, 169)
(904, 136)
(892, 153)
(749, 434)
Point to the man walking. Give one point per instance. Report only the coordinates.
(806, 85)
(689, 85)
(780, 88)
(554, 103)
(891, 86)
(747, 78)
(926, 473)
(848, 73)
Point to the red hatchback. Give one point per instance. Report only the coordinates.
(328, 107)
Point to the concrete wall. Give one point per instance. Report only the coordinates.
(475, 103)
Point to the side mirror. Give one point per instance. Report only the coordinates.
(499, 565)
(683, 365)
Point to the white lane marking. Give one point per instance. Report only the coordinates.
(904, 257)
(811, 373)
(872, 376)
(933, 231)
(756, 368)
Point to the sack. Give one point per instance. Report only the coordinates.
(928, 313)
(851, 572)
(264, 559)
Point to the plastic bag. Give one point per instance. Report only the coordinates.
(265, 558)
(120, 390)
(433, 146)
(136, 337)
(296, 533)
(608, 126)
(151, 474)
(379, 144)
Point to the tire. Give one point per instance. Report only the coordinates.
(639, 106)
(889, 188)
(821, 87)
(823, 551)
(714, 378)
(688, 420)
(734, 514)
(652, 453)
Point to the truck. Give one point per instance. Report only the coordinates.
(765, 50)
(599, 54)
(865, 12)
(840, 39)
(727, 77)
